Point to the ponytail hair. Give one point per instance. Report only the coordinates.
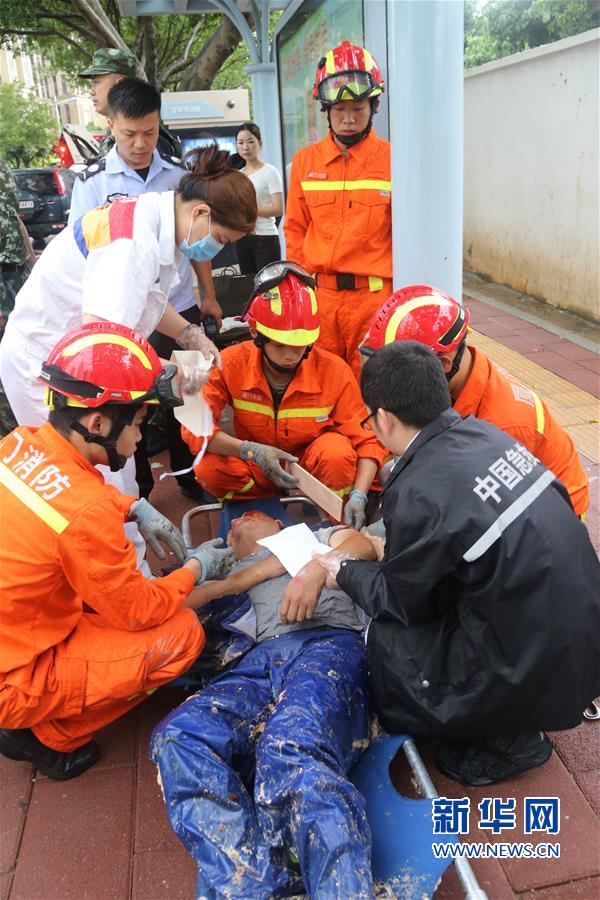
(212, 180)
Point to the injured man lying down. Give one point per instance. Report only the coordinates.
(254, 766)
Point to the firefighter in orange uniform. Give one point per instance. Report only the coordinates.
(291, 401)
(67, 670)
(338, 218)
(478, 387)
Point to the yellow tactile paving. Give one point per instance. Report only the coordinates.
(577, 410)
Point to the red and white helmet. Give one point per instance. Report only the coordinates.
(418, 313)
(102, 362)
(287, 313)
(347, 72)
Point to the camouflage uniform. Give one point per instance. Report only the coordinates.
(14, 269)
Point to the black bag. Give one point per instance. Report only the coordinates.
(233, 291)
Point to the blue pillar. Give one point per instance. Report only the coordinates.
(425, 69)
(265, 110)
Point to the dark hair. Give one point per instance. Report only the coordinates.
(230, 195)
(407, 379)
(251, 127)
(62, 417)
(133, 98)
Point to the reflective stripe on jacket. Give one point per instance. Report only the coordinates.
(338, 215)
(322, 396)
(63, 544)
(492, 394)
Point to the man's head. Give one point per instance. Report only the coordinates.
(134, 118)
(283, 315)
(108, 66)
(425, 314)
(100, 378)
(348, 84)
(249, 528)
(405, 388)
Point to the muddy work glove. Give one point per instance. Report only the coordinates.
(215, 559)
(355, 511)
(268, 459)
(193, 338)
(156, 529)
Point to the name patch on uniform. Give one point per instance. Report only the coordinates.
(317, 175)
(252, 395)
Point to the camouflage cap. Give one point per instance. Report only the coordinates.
(108, 60)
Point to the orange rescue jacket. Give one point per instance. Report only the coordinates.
(63, 544)
(322, 396)
(338, 214)
(492, 394)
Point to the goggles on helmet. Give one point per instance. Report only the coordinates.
(273, 274)
(93, 396)
(352, 85)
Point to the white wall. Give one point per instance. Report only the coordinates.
(531, 201)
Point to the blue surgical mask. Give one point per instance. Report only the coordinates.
(204, 249)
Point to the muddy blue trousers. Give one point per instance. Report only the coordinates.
(254, 767)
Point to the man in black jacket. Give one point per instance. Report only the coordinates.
(485, 610)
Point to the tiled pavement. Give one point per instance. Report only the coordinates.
(105, 835)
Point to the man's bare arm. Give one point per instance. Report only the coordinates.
(236, 583)
(302, 594)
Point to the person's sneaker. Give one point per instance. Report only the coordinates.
(21, 744)
(493, 760)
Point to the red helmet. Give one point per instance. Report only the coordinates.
(102, 362)
(287, 313)
(418, 313)
(347, 72)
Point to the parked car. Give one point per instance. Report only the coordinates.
(44, 200)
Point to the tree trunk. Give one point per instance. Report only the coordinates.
(149, 49)
(207, 63)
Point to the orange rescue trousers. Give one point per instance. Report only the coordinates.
(96, 675)
(345, 319)
(330, 458)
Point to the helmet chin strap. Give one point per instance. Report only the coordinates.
(350, 140)
(260, 342)
(115, 460)
(457, 360)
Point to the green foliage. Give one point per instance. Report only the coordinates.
(57, 31)
(498, 28)
(29, 128)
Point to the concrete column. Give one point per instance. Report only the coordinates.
(425, 73)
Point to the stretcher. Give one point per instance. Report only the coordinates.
(401, 827)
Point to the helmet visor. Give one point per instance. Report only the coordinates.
(273, 274)
(346, 86)
(162, 391)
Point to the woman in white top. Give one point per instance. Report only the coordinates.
(261, 248)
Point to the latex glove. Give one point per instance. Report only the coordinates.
(191, 378)
(268, 459)
(156, 528)
(193, 338)
(331, 562)
(355, 511)
(216, 560)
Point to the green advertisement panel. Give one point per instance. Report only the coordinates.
(318, 26)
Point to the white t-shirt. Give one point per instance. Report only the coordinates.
(266, 181)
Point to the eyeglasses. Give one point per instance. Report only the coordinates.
(355, 84)
(366, 422)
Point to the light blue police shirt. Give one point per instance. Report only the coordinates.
(110, 178)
